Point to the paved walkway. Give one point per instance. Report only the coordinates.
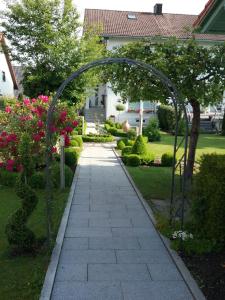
(111, 250)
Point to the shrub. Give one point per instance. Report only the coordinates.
(167, 160)
(120, 107)
(120, 144)
(133, 160)
(71, 157)
(139, 146)
(56, 175)
(181, 127)
(166, 117)
(8, 178)
(37, 180)
(131, 134)
(76, 141)
(130, 142)
(208, 204)
(118, 125)
(117, 132)
(147, 159)
(124, 158)
(91, 138)
(223, 125)
(152, 130)
(110, 123)
(126, 150)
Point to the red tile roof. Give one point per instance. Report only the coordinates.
(205, 11)
(12, 73)
(116, 23)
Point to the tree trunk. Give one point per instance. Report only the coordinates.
(194, 134)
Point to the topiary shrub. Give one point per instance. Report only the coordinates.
(139, 146)
(131, 134)
(19, 236)
(223, 125)
(208, 201)
(130, 142)
(76, 141)
(147, 159)
(133, 160)
(152, 130)
(56, 175)
(167, 160)
(37, 180)
(124, 158)
(8, 178)
(126, 150)
(166, 117)
(71, 157)
(120, 144)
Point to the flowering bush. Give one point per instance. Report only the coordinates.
(182, 235)
(30, 116)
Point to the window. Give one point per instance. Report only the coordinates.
(3, 76)
(131, 17)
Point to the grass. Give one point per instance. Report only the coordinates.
(207, 143)
(22, 277)
(155, 182)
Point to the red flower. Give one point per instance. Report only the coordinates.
(54, 150)
(41, 133)
(62, 116)
(40, 123)
(53, 129)
(68, 129)
(75, 123)
(9, 168)
(11, 137)
(43, 98)
(67, 140)
(26, 101)
(37, 137)
(4, 133)
(8, 109)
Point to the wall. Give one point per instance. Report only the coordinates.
(6, 88)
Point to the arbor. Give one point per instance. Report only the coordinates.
(198, 73)
(44, 38)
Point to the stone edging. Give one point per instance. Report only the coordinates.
(185, 273)
(52, 267)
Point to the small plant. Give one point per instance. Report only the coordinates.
(127, 150)
(133, 160)
(139, 146)
(120, 145)
(131, 134)
(147, 159)
(152, 130)
(167, 160)
(71, 157)
(182, 235)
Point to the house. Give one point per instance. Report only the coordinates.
(8, 82)
(121, 27)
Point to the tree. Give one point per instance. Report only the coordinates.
(198, 73)
(44, 38)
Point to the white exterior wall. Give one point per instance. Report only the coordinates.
(6, 87)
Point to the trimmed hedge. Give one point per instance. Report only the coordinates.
(152, 130)
(127, 150)
(76, 141)
(167, 160)
(71, 157)
(8, 178)
(120, 145)
(133, 160)
(117, 132)
(91, 138)
(166, 117)
(147, 159)
(56, 175)
(208, 203)
(139, 146)
(37, 180)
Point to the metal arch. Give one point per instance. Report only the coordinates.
(178, 105)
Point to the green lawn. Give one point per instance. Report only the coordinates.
(207, 143)
(155, 182)
(22, 277)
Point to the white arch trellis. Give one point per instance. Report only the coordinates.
(179, 107)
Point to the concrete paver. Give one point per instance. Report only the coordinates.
(111, 250)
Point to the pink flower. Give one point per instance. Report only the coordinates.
(54, 150)
(33, 100)
(9, 168)
(68, 129)
(43, 98)
(37, 137)
(62, 116)
(26, 101)
(75, 123)
(40, 123)
(8, 109)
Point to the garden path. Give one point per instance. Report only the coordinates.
(111, 250)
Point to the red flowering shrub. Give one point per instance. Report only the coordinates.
(30, 116)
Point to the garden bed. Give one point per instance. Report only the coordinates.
(95, 138)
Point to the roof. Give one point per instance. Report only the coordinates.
(12, 73)
(116, 23)
(205, 11)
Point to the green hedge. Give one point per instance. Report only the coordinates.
(71, 157)
(208, 203)
(139, 146)
(76, 141)
(147, 159)
(126, 150)
(167, 160)
(120, 144)
(97, 138)
(56, 175)
(37, 180)
(8, 178)
(133, 160)
(166, 117)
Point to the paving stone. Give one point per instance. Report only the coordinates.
(141, 222)
(87, 291)
(78, 222)
(142, 256)
(164, 272)
(151, 242)
(115, 272)
(69, 272)
(133, 232)
(156, 290)
(108, 207)
(89, 214)
(79, 208)
(87, 256)
(110, 222)
(75, 243)
(114, 243)
(88, 232)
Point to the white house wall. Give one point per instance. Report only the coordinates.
(6, 87)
